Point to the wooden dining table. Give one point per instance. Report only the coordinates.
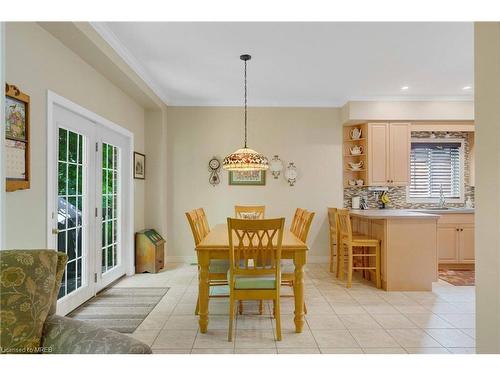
(216, 246)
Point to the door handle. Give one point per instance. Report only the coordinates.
(55, 231)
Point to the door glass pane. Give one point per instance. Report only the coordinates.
(70, 201)
(110, 199)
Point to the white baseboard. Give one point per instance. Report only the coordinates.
(192, 259)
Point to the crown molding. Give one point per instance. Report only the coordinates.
(110, 37)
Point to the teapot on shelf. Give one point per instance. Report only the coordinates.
(355, 133)
(356, 150)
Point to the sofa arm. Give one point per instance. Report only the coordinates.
(70, 336)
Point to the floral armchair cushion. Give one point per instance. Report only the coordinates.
(71, 336)
(27, 284)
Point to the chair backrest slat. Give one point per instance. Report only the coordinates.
(198, 223)
(204, 222)
(255, 246)
(249, 212)
(305, 226)
(296, 220)
(302, 223)
(344, 225)
(333, 226)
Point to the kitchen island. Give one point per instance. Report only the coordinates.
(409, 260)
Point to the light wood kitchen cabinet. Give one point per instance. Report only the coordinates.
(399, 153)
(388, 154)
(447, 236)
(455, 235)
(378, 154)
(466, 243)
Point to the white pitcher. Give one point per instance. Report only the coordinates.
(356, 150)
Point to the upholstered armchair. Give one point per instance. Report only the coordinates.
(29, 285)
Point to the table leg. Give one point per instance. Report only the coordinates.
(203, 289)
(298, 290)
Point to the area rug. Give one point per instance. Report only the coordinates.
(120, 309)
(458, 277)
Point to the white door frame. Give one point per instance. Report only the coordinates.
(55, 99)
(121, 143)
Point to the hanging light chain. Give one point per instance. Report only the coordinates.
(245, 103)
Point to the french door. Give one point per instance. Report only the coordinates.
(88, 214)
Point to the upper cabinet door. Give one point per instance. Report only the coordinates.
(378, 139)
(399, 153)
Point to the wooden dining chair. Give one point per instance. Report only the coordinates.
(217, 272)
(302, 232)
(255, 264)
(249, 212)
(350, 241)
(334, 240)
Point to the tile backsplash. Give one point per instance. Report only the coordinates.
(397, 194)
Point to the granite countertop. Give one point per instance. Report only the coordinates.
(451, 210)
(392, 214)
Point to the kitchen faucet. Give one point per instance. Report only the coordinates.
(442, 201)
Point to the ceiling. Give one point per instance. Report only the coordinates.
(297, 64)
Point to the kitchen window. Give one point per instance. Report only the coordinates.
(436, 164)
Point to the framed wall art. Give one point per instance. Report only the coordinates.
(248, 178)
(139, 166)
(17, 139)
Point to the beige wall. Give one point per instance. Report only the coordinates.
(37, 62)
(155, 209)
(487, 99)
(310, 137)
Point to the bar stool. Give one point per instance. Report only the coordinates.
(334, 240)
(349, 241)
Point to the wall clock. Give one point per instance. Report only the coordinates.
(214, 169)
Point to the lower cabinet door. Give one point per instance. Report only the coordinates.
(466, 244)
(447, 237)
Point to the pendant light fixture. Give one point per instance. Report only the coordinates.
(245, 159)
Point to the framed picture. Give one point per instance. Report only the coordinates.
(139, 166)
(249, 178)
(15, 119)
(17, 139)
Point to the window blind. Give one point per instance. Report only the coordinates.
(433, 165)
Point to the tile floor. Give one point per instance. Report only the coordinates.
(359, 320)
